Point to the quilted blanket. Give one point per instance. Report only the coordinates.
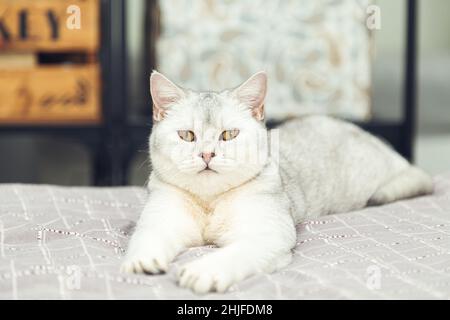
(68, 243)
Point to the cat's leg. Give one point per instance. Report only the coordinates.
(409, 183)
(258, 237)
(165, 228)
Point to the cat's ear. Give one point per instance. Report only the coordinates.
(252, 94)
(164, 93)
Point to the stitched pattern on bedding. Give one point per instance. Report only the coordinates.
(67, 243)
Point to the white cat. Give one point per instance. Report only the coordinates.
(207, 188)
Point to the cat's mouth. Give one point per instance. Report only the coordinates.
(207, 169)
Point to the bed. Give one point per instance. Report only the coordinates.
(68, 243)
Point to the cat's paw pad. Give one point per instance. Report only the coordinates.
(145, 262)
(204, 275)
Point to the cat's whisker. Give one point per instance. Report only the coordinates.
(187, 165)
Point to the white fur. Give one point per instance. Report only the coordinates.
(249, 208)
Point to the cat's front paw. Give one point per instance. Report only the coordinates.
(205, 275)
(153, 260)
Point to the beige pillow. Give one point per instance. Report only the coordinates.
(316, 52)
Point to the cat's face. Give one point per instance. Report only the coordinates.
(208, 142)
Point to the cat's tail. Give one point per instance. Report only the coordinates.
(411, 182)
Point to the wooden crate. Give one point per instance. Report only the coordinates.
(42, 25)
(55, 89)
(50, 94)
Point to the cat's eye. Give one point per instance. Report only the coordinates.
(229, 134)
(186, 135)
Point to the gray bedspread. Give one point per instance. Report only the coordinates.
(68, 243)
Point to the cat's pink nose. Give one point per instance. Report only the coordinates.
(207, 156)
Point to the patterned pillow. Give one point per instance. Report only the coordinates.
(316, 52)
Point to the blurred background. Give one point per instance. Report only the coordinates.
(320, 55)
